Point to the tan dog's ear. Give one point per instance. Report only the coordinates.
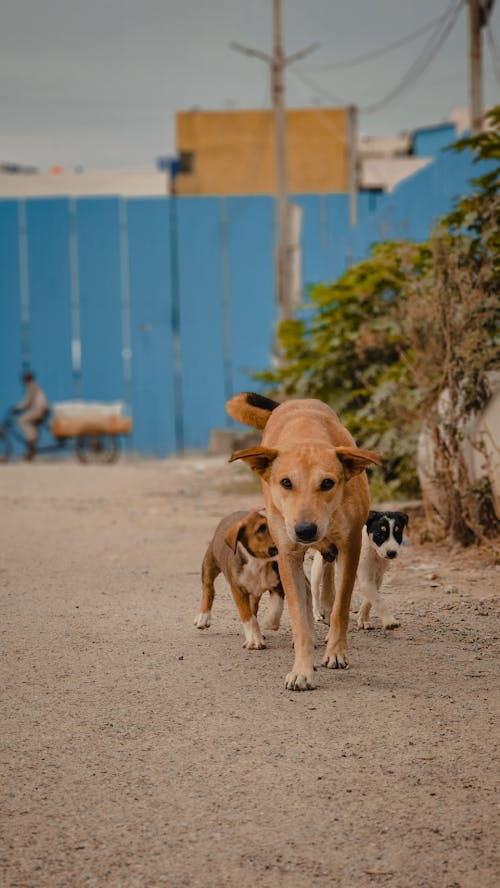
(234, 534)
(355, 461)
(260, 459)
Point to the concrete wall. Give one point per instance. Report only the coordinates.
(234, 151)
(124, 183)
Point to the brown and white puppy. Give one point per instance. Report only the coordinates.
(316, 495)
(243, 550)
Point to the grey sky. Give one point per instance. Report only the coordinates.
(98, 82)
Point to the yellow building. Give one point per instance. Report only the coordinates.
(233, 152)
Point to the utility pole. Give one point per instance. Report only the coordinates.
(278, 100)
(475, 66)
(277, 64)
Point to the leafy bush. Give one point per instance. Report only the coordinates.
(347, 350)
(454, 310)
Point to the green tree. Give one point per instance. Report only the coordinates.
(346, 350)
(478, 214)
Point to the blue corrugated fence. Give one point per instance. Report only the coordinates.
(170, 306)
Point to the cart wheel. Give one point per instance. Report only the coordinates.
(5, 447)
(97, 448)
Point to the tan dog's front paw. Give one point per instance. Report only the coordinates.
(296, 681)
(202, 621)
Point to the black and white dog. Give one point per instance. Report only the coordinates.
(382, 538)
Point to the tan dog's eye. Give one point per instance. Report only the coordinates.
(327, 484)
(262, 528)
(286, 483)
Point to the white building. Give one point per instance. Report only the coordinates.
(122, 183)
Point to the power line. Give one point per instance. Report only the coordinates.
(421, 63)
(495, 55)
(376, 53)
(423, 60)
(316, 87)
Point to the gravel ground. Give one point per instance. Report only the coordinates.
(139, 751)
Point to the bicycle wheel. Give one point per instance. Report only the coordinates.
(5, 447)
(97, 448)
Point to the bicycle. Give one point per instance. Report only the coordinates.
(98, 447)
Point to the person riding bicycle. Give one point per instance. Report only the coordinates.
(34, 408)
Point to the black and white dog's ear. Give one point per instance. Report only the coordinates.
(372, 518)
(403, 517)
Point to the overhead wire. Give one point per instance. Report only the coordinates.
(495, 55)
(315, 86)
(376, 53)
(445, 24)
(422, 62)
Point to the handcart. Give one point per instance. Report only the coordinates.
(97, 438)
(95, 428)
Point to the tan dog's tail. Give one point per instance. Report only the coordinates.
(251, 409)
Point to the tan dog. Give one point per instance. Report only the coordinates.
(243, 550)
(316, 494)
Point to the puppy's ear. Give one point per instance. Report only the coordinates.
(370, 521)
(260, 459)
(234, 534)
(356, 461)
(403, 517)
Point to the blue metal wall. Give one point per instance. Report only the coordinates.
(152, 363)
(414, 207)
(429, 141)
(47, 233)
(99, 296)
(11, 330)
(169, 306)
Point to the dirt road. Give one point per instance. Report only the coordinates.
(139, 752)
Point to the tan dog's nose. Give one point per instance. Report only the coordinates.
(306, 532)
